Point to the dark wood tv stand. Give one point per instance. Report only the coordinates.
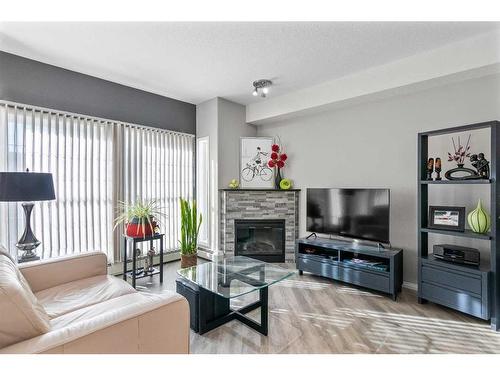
(368, 266)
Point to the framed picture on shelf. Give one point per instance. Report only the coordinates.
(447, 218)
(254, 155)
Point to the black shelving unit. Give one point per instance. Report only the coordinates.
(472, 290)
(467, 233)
(456, 182)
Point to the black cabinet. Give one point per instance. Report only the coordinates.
(462, 288)
(349, 262)
(472, 290)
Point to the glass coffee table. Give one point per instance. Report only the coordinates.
(208, 287)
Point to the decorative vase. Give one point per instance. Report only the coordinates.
(277, 179)
(470, 174)
(135, 229)
(189, 260)
(478, 219)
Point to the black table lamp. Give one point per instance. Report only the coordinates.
(26, 187)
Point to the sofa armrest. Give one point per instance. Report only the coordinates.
(135, 323)
(46, 274)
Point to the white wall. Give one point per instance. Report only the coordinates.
(206, 126)
(375, 145)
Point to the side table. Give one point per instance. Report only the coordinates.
(135, 241)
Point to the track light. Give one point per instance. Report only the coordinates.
(261, 87)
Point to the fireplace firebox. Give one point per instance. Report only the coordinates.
(260, 239)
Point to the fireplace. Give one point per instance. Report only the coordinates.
(263, 206)
(261, 239)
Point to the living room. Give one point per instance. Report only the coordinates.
(261, 186)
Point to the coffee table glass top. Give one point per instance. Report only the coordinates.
(231, 277)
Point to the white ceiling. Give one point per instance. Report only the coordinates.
(195, 62)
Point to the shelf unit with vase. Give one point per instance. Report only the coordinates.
(472, 290)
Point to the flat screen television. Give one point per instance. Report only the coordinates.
(354, 213)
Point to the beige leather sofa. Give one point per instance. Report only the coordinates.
(71, 305)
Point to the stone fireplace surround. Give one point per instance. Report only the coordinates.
(259, 204)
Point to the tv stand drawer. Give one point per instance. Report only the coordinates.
(334, 270)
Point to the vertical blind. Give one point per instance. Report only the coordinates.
(95, 163)
(158, 165)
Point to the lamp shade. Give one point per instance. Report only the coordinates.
(26, 187)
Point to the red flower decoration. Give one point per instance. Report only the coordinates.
(274, 155)
(283, 157)
(271, 163)
(275, 148)
(280, 164)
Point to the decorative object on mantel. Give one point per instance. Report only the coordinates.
(447, 218)
(140, 218)
(459, 155)
(430, 168)
(277, 161)
(234, 184)
(481, 164)
(478, 219)
(285, 184)
(254, 171)
(190, 227)
(437, 168)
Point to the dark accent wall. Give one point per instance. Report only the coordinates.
(32, 82)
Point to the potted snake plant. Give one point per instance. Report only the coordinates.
(190, 227)
(140, 218)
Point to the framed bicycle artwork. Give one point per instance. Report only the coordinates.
(254, 155)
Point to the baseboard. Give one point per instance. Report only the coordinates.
(408, 285)
(205, 254)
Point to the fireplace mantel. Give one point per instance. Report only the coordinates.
(237, 204)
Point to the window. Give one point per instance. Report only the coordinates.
(95, 163)
(203, 189)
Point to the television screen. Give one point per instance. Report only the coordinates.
(355, 213)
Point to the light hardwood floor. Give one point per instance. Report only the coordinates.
(310, 314)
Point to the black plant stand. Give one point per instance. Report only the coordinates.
(134, 241)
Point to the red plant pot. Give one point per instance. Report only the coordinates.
(136, 229)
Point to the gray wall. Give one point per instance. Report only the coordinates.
(375, 145)
(31, 82)
(232, 126)
(224, 123)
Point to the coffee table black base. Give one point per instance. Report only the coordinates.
(209, 310)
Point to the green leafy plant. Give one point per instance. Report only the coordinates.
(190, 227)
(145, 211)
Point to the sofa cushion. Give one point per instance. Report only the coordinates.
(116, 309)
(22, 316)
(70, 327)
(65, 298)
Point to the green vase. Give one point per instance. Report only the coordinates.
(479, 220)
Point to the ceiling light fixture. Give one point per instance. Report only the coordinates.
(261, 87)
